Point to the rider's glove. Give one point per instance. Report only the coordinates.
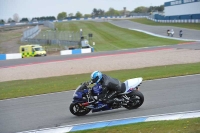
(86, 83)
(91, 82)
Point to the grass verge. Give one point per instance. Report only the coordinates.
(8, 35)
(20, 88)
(177, 126)
(195, 26)
(108, 37)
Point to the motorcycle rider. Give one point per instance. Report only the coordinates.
(109, 84)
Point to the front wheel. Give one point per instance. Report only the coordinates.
(78, 110)
(136, 100)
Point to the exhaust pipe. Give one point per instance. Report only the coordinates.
(87, 103)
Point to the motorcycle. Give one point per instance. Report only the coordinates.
(85, 98)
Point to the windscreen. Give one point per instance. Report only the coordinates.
(38, 49)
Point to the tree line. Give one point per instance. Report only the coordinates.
(95, 13)
(35, 19)
(111, 12)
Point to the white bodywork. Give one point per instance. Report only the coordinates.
(132, 83)
(183, 9)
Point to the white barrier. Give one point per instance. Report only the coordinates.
(20, 23)
(87, 50)
(65, 52)
(176, 20)
(13, 56)
(10, 56)
(76, 51)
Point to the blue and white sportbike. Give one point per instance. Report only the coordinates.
(85, 98)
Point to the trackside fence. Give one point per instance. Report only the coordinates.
(30, 33)
(175, 21)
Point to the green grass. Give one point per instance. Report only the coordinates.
(177, 126)
(13, 89)
(195, 26)
(8, 35)
(109, 37)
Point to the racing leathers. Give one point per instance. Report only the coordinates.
(111, 88)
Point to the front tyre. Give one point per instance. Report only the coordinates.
(78, 110)
(136, 100)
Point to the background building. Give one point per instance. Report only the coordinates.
(180, 9)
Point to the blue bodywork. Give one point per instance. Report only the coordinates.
(82, 91)
(96, 89)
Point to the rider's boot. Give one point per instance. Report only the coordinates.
(118, 100)
(111, 97)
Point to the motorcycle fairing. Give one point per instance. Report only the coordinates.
(79, 93)
(131, 84)
(97, 89)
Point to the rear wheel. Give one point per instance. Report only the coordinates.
(136, 100)
(78, 110)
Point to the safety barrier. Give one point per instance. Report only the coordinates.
(10, 56)
(49, 24)
(30, 33)
(176, 21)
(111, 17)
(77, 51)
(93, 18)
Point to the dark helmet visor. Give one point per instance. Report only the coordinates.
(95, 79)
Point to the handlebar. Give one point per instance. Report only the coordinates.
(87, 83)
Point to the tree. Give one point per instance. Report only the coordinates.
(9, 20)
(112, 12)
(79, 15)
(140, 9)
(121, 12)
(2, 21)
(87, 15)
(101, 12)
(156, 8)
(161, 8)
(70, 14)
(16, 17)
(34, 20)
(24, 20)
(97, 13)
(94, 12)
(53, 18)
(50, 18)
(62, 15)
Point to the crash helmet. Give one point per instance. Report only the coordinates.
(96, 76)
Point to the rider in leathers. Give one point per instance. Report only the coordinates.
(110, 85)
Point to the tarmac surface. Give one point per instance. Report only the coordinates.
(160, 30)
(42, 67)
(17, 62)
(51, 110)
(161, 96)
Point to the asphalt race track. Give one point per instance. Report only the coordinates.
(161, 96)
(51, 110)
(18, 62)
(160, 30)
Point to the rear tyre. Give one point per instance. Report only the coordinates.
(78, 110)
(136, 100)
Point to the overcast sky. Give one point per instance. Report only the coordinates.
(39, 8)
